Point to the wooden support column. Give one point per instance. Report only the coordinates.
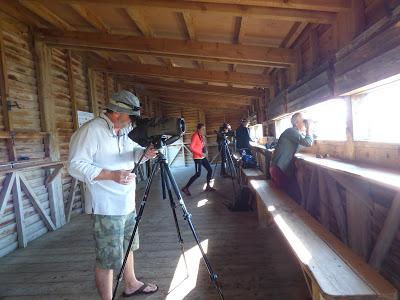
(6, 109)
(387, 234)
(314, 47)
(358, 209)
(6, 190)
(310, 204)
(74, 107)
(349, 24)
(19, 213)
(47, 117)
(106, 90)
(91, 80)
(338, 208)
(349, 148)
(323, 200)
(71, 84)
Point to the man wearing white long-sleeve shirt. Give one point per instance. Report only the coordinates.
(102, 156)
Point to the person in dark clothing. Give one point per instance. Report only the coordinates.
(225, 132)
(282, 164)
(198, 148)
(243, 137)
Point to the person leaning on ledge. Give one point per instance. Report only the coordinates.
(282, 163)
(102, 156)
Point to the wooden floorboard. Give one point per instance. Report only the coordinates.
(251, 263)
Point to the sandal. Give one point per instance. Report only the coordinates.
(140, 291)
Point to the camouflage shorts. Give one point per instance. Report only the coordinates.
(111, 236)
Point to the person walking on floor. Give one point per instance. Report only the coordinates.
(198, 148)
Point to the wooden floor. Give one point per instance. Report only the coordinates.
(251, 263)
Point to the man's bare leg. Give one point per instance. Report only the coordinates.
(131, 282)
(104, 283)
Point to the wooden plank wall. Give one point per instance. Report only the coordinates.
(61, 92)
(69, 91)
(22, 89)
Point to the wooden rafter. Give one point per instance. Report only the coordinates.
(205, 51)
(205, 105)
(19, 12)
(319, 5)
(190, 87)
(182, 73)
(140, 22)
(91, 18)
(146, 30)
(199, 98)
(46, 14)
(231, 8)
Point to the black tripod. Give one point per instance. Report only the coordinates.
(225, 155)
(168, 181)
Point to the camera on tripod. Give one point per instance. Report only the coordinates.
(225, 132)
(157, 131)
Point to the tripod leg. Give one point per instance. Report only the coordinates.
(232, 171)
(138, 218)
(173, 208)
(164, 195)
(188, 217)
(216, 163)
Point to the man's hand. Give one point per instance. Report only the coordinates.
(309, 126)
(151, 152)
(123, 177)
(119, 176)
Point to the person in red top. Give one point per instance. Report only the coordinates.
(198, 149)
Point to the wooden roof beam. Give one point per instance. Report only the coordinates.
(204, 51)
(276, 10)
(46, 14)
(192, 97)
(146, 30)
(203, 104)
(91, 18)
(182, 73)
(19, 12)
(318, 5)
(190, 87)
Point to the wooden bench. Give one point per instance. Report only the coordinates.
(331, 269)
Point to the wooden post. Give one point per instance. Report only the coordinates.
(314, 47)
(19, 213)
(71, 84)
(387, 234)
(47, 117)
(6, 109)
(349, 144)
(310, 204)
(323, 200)
(8, 184)
(358, 209)
(94, 108)
(338, 208)
(74, 107)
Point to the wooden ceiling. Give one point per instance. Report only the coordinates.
(222, 47)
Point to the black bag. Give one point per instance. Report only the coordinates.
(249, 162)
(242, 201)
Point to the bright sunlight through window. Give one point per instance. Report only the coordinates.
(182, 283)
(329, 120)
(376, 114)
